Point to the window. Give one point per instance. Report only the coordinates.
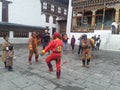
(54, 19)
(4, 33)
(53, 30)
(21, 34)
(52, 8)
(65, 12)
(47, 27)
(59, 10)
(47, 18)
(44, 5)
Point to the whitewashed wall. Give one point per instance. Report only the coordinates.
(28, 12)
(105, 34)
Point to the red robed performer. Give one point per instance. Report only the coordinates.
(56, 47)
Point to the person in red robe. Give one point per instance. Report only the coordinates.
(56, 47)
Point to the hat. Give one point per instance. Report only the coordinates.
(56, 35)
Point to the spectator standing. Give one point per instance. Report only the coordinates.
(73, 42)
(114, 27)
(65, 40)
(5, 48)
(98, 41)
(80, 47)
(9, 58)
(46, 38)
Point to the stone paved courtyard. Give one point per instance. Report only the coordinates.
(103, 74)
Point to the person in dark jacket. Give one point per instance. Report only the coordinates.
(73, 42)
(46, 38)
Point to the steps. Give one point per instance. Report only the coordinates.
(113, 43)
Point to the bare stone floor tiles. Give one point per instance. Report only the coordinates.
(103, 74)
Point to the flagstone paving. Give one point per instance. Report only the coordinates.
(103, 74)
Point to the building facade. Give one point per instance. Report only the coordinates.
(89, 15)
(93, 17)
(37, 14)
(56, 10)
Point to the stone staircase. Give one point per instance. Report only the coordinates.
(113, 43)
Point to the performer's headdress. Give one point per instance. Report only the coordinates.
(56, 35)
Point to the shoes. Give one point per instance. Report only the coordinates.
(6, 67)
(36, 60)
(58, 77)
(30, 63)
(50, 70)
(87, 66)
(10, 69)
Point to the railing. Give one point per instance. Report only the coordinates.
(82, 29)
(93, 2)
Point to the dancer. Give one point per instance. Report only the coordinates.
(33, 42)
(86, 50)
(56, 47)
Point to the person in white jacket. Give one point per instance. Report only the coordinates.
(114, 27)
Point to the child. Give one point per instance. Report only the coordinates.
(9, 58)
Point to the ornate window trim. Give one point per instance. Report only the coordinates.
(59, 9)
(18, 34)
(54, 19)
(65, 11)
(47, 18)
(52, 8)
(44, 5)
(4, 33)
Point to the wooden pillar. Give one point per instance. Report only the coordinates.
(93, 18)
(74, 21)
(103, 18)
(117, 13)
(5, 10)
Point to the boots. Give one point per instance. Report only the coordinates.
(88, 62)
(83, 61)
(36, 60)
(58, 74)
(5, 65)
(10, 68)
(58, 77)
(29, 62)
(50, 69)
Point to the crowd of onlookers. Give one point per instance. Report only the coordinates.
(96, 40)
(44, 39)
